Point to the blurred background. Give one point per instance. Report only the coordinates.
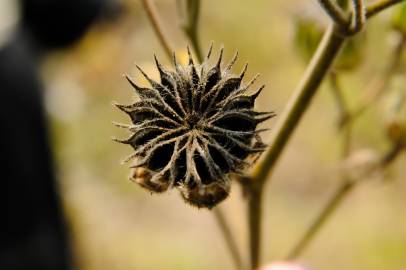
(116, 225)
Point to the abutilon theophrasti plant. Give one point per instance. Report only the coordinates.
(193, 130)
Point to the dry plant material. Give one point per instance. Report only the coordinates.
(193, 129)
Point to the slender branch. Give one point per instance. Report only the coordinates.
(338, 197)
(392, 154)
(344, 114)
(335, 12)
(300, 100)
(228, 237)
(346, 141)
(379, 6)
(297, 105)
(179, 8)
(350, 25)
(359, 16)
(154, 19)
(191, 26)
(224, 228)
(254, 196)
(325, 213)
(346, 185)
(328, 49)
(339, 99)
(376, 88)
(192, 33)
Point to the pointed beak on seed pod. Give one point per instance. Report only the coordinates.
(193, 129)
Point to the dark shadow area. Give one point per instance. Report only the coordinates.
(33, 233)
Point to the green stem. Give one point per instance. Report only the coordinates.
(191, 31)
(318, 223)
(379, 6)
(339, 99)
(228, 237)
(329, 47)
(335, 12)
(359, 15)
(344, 114)
(392, 154)
(154, 19)
(191, 26)
(300, 100)
(377, 87)
(346, 186)
(254, 222)
(196, 46)
(337, 198)
(297, 105)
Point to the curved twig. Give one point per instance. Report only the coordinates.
(335, 200)
(191, 24)
(359, 17)
(228, 237)
(379, 6)
(154, 19)
(335, 12)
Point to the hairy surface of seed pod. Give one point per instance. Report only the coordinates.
(193, 129)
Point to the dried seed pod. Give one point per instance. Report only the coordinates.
(192, 130)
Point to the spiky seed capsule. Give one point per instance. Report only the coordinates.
(192, 130)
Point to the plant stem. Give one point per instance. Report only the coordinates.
(328, 49)
(164, 41)
(379, 6)
(335, 12)
(191, 31)
(297, 105)
(191, 26)
(155, 22)
(339, 99)
(347, 184)
(337, 198)
(228, 237)
(344, 114)
(392, 154)
(255, 193)
(300, 100)
(376, 88)
(359, 16)
(320, 220)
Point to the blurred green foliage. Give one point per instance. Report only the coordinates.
(399, 18)
(308, 33)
